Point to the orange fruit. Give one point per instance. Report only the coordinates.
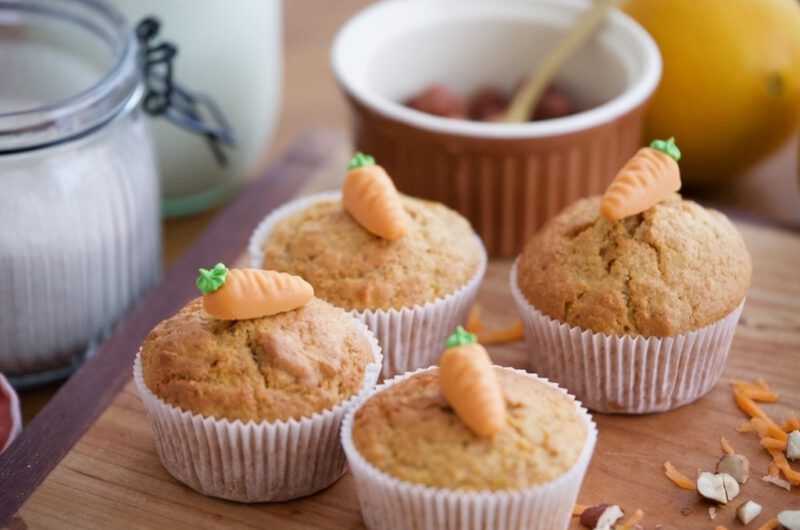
(730, 91)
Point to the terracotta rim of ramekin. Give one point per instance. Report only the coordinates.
(636, 94)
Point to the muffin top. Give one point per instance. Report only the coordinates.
(284, 366)
(354, 269)
(410, 432)
(674, 268)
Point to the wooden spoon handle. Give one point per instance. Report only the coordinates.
(524, 103)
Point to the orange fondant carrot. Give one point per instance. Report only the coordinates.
(469, 383)
(369, 195)
(239, 294)
(644, 181)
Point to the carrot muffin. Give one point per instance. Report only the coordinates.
(631, 300)
(246, 387)
(673, 268)
(410, 432)
(277, 367)
(468, 444)
(410, 269)
(357, 270)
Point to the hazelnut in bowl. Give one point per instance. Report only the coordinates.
(506, 178)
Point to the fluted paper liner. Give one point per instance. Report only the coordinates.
(252, 462)
(625, 374)
(411, 337)
(388, 503)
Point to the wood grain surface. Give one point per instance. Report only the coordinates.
(112, 478)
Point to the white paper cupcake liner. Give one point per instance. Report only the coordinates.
(411, 337)
(388, 503)
(252, 462)
(625, 374)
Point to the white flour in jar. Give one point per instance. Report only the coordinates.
(79, 242)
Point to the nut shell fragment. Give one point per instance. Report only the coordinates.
(737, 466)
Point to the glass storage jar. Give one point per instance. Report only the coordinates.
(79, 200)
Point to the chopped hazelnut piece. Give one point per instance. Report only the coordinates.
(790, 519)
(720, 487)
(793, 446)
(601, 517)
(737, 466)
(747, 511)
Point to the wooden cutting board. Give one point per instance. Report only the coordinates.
(112, 478)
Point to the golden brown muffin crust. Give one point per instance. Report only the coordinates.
(353, 269)
(410, 432)
(674, 268)
(283, 366)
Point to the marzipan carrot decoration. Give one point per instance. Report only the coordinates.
(644, 181)
(369, 195)
(238, 294)
(469, 383)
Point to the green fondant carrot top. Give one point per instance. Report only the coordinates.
(209, 280)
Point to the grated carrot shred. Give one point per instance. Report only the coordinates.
(499, 336)
(760, 426)
(747, 427)
(720, 527)
(772, 524)
(474, 323)
(726, 446)
(632, 520)
(678, 478)
(792, 423)
(780, 459)
(749, 407)
(773, 443)
(578, 509)
(757, 390)
(773, 471)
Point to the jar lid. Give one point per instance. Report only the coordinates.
(68, 66)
